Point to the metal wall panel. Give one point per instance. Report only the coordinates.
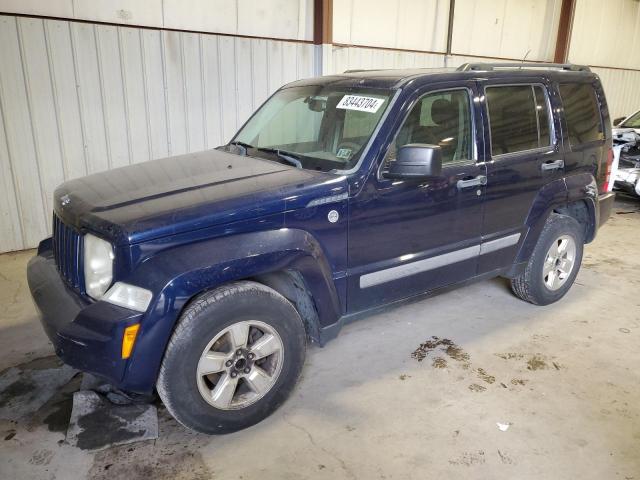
(79, 98)
(492, 28)
(290, 19)
(606, 33)
(507, 28)
(354, 58)
(408, 24)
(622, 88)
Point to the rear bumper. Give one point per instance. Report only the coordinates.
(605, 205)
(85, 334)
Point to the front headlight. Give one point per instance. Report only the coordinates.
(98, 265)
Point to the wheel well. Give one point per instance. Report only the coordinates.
(291, 285)
(580, 212)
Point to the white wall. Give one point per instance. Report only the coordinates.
(622, 88)
(288, 19)
(78, 98)
(606, 33)
(491, 28)
(506, 28)
(408, 24)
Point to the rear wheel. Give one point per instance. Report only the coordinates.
(554, 264)
(234, 357)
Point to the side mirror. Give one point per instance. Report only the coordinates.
(618, 121)
(416, 161)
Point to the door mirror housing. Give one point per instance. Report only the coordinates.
(618, 121)
(416, 161)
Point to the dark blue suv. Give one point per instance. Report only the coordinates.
(204, 275)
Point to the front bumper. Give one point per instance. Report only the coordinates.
(85, 334)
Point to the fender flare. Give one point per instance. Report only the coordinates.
(552, 195)
(176, 275)
(557, 195)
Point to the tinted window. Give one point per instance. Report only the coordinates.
(442, 118)
(513, 119)
(581, 113)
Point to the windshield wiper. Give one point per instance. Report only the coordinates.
(244, 145)
(290, 158)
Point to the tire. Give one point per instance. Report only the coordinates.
(208, 337)
(534, 285)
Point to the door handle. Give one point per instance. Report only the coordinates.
(472, 182)
(556, 165)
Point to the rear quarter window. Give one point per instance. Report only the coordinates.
(581, 112)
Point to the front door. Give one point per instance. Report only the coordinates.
(407, 237)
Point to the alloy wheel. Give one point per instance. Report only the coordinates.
(240, 365)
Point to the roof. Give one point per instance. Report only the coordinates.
(397, 78)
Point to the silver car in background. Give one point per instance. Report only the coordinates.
(626, 144)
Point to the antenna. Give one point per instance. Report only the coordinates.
(525, 56)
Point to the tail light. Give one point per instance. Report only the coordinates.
(605, 185)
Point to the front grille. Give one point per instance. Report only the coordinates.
(66, 252)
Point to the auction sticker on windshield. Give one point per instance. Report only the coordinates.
(363, 104)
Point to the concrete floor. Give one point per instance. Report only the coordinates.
(564, 377)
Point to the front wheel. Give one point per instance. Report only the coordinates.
(554, 264)
(234, 357)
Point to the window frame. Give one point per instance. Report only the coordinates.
(553, 139)
(472, 115)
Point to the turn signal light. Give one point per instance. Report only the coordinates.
(129, 339)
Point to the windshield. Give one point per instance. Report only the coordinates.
(633, 121)
(323, 127)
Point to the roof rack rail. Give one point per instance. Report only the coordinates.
(466, 67)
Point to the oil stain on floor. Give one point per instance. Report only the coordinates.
(439, 349)
(27, 387)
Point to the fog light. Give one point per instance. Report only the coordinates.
(129, 339)
(128, 296)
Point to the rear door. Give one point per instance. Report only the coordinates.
(524, 153)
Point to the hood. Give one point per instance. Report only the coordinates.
(186, 192)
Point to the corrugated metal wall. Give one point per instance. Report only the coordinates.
(622, 88)
(606, 33)
(287, 19)
(507, 28)
(78, 98)
(408, 24)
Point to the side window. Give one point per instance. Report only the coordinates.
(441, 118)
(518, 118)
(581, 112)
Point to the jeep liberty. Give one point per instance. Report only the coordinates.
(204, 276)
